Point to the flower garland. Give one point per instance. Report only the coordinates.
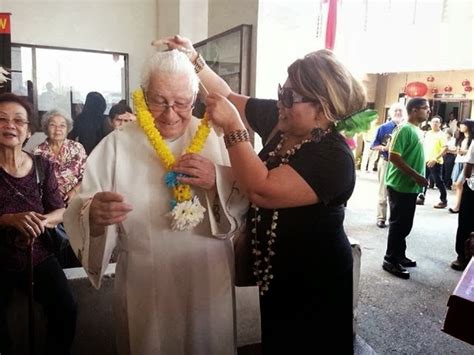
(186, 210)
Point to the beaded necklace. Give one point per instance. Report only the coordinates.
(262, 267)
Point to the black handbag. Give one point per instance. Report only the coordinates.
(57, 237)
(243, 260)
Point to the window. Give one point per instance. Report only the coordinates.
(62, 78)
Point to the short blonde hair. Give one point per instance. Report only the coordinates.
(170, 62)
(321, 77)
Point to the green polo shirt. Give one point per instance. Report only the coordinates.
(407, 143)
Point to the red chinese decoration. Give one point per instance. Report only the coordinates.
(434, 90)
(416, 88)
(430, 79)
(466, 83)
(448, 88)
(468, 88)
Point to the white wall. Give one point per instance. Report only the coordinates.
(286, 31)
(398, 36)
(185, 17)
(226, 14)
(193, 19)
(111, 25)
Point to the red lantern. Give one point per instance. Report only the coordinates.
(468, 88)
(466, 83)
(448, 88)
(430, 79)
(416, 88)
(434, 90)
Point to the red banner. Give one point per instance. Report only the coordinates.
(5, 48)
(331, 25)
(4, 22)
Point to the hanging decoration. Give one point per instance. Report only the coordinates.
(416, 88)
(430, 79)
(3, 76)
(468, 88)
(434, 90)
(448, 88)
(466, 83)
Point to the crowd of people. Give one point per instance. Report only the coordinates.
(169, 195)
(440, 153)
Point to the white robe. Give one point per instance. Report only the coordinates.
(173, 290)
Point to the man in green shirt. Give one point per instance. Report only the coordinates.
(405, 178)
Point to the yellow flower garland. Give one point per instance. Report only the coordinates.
(181, 192)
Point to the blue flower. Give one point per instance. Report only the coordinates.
(173, 204)
(171, 179)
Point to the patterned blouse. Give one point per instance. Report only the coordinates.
(68, 165)
(21, 194)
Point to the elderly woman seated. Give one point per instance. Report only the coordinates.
(68, 156)
(26, 211)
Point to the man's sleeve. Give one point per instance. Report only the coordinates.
(378, 138)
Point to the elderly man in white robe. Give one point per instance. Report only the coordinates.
(173, 285)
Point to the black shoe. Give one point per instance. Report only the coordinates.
(453, 210)
(441, 204)
(420, 201)
(381, 224)
(458, 265)
(408, 262)
(396, 269)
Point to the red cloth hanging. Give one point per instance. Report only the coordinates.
(331, 25)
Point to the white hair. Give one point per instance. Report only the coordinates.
(397, 106)
(170, 62)
(53, 113)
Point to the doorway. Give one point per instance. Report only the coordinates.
(443, 107)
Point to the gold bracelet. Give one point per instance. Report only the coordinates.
(199, 63)
(237, 136)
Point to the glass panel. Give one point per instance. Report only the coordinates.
(22, 70)
(223, 56)
(65, 77)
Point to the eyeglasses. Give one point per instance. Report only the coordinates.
(288, 97)
(158, 104)
(19, 122)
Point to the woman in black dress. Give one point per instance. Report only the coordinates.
(297, 185)
(91, 125)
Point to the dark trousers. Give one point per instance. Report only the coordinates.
(435, 173)
(447, 169)
(402, 213)
(52, 291)
(465, 222)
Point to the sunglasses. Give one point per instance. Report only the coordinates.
(288, 97)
